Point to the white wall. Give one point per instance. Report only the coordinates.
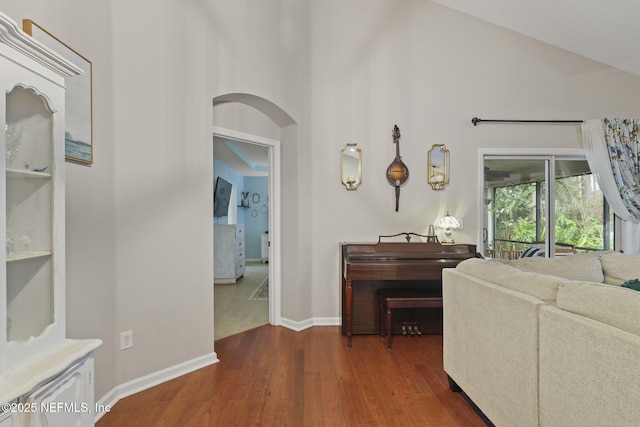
(139, 220)
(163, 181)
(429, 70)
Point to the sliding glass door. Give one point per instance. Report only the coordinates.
(523, 194)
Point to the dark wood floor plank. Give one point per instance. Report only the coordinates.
(272, 376)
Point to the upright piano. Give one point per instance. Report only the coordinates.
(367, 267)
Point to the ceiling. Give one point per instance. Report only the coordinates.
(246, 159)
(605, 31)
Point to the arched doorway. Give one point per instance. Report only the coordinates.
(281, 119)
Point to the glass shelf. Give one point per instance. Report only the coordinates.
(24, 173)
(20, 256)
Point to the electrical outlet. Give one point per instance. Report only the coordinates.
(126, 340)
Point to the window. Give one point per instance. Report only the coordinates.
(521, 198)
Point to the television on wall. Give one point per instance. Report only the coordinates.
(221, 197)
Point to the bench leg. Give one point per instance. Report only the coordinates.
(381, 306)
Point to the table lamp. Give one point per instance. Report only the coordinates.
(448, 223)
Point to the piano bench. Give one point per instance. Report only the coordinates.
(389, 299)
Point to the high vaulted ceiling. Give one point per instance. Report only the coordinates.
(606, 31)
(603, 30)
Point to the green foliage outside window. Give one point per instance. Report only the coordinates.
(578, 211)
(515, 210)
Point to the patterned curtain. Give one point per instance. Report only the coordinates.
(612, 147)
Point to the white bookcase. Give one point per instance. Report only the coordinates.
(37, 361)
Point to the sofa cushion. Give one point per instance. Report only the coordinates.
(585, 267)
(618, 268)
(613, 305)
(541, 286)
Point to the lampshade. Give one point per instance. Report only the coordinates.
(448, 222)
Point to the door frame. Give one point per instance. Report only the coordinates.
(275, 217)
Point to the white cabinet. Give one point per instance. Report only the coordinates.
(8, 419)
(53, 388)
(33, 347)
(67, 401)
(264, 247)
(228, 252)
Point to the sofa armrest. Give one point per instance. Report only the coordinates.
(589, 372)
(490, 346)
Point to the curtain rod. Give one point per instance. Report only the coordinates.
(476, 120)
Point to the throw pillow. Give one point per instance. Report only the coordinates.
(618, 267)
(632, 284)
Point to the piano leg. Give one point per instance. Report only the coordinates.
(349, 297)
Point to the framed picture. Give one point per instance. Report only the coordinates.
(78, 133)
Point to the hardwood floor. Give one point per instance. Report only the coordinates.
(273, 376)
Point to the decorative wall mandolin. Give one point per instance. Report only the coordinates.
(397, 172)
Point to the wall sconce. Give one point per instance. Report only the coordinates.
(448, 223)
(397, 172)
(351, 166)
(438, 167)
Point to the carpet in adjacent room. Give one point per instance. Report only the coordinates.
(234, 311)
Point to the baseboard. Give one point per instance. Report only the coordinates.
(295, 325)
(305, 324)
(139, 384)
(327, 321)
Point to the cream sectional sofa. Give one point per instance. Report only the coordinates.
(546, 342)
